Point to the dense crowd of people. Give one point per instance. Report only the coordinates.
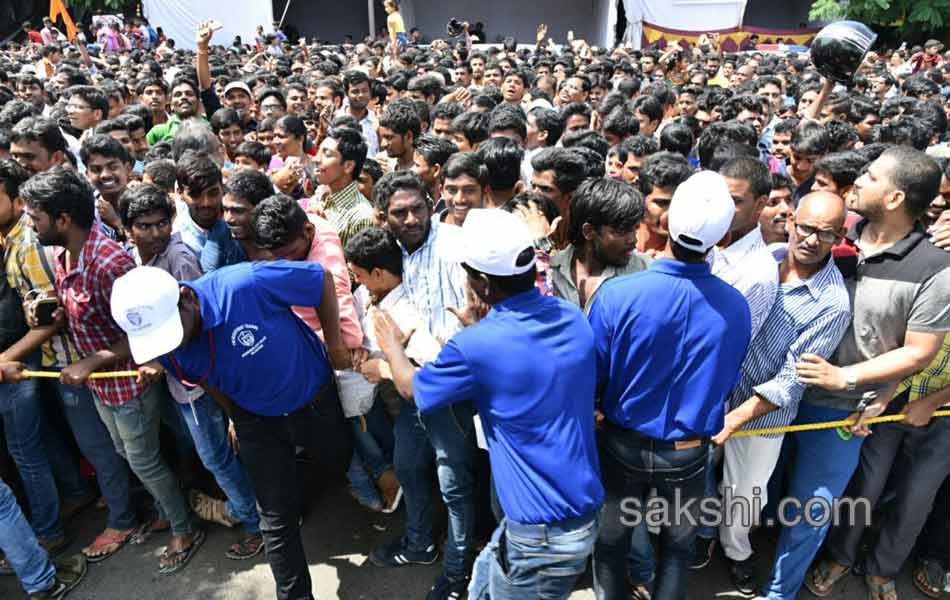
(604, 267)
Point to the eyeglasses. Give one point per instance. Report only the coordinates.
(824, 236)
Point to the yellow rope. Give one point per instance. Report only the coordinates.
(741, 433)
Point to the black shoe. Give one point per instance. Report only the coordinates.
(702, 552)
(743, 575)
(447, 589)
(69, 572)
(396, 554)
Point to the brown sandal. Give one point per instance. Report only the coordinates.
(877, 591)
(210, 509)
(146, 530)
(177, 560)
(824, 573)
(926, 573)
(247, 547)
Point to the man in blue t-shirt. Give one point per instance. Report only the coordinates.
(233, 332)
(669, 343)
(528, 366)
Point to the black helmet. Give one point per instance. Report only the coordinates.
(839, 49)
(454, 27)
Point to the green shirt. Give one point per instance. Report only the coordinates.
(348, 211)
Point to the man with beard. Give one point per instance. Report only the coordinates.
(356, 85)
(108, 165)
(184, 105)
(557, 173)
(436, 286)
(428, 160)
(399, 128)
(777, 209)
(38, 145)
(658, 179)
(605, 214)
(237, 95)
(198, 214)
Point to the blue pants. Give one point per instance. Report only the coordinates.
(821, 464)
(208, 426)
(534, 562)
(372, 451)
(448, 435)
(631, 465)
(26, 556)
(112, 472)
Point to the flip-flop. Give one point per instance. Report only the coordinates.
(925, 574)
(823, 570)
(145, 531)
(119, 539)
(247, 547)
(878, 590)
(187, 553)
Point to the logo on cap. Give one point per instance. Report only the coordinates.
(134, 318)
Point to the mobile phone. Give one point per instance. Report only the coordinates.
(215, 25)
(43, 309)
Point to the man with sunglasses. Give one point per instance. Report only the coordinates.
(809, 316)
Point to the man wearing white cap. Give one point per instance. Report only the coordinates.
(237, 95)
(665, 370)
(528, 366)
(233, 332)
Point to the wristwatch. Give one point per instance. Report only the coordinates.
(544, 245)
(850, 380)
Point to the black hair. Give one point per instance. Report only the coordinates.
(601, 202)
(472, 125)
(277, 221)
(525, 75)
(719, 133)
(843, 167)
(163, 173)
(506, 116)
(393, 182)
(151, 82)
(256, 151)
(375, 248)
(650, 106)
(841, 135)
(918, 86)
(621, 122)
(781, 180)
(12, 176)
(435, 150)
(401, 117)
(104, 145)
(569, 167)
(446, 110)
(639, 145)
(350, 144)
(373, 169)
(663, 169)
(272, 92)
(908, 131)
(915, 174)
(293, 125)
(131, 122)
(576, 108)
(354, 77)
(422, 111)
(142, 200)
(92, 96)
(750, 170)
(810, 138)
(197, 172)
(61, 191)
(501, 158)
(42, 130)
(15, 111)
(250, 185)
(428, 84)
(587, 138)
(549, 120)
(345, 120)
(223, 118)
(677, 137)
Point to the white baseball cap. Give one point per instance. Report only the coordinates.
(145, 305)
(701, 211)
(237, 85)
(491, 241)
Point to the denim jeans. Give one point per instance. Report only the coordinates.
(133, 427)
(268, 450)
(112, 472)
(452, 435)
(25, 428)
(533, 562)
(374, 447)
(632, 464)
(412, 459)
(934, 542)
(19, 544)
(641, 558)
(208, 426)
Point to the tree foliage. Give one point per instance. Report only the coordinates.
(915, 15)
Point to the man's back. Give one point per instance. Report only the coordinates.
(670, 341)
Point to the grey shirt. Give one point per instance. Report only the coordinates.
(905, 287)
(564, 285)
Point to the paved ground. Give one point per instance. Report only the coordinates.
(337, 534)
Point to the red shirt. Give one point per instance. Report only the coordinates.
(35, 37)
(84, 293)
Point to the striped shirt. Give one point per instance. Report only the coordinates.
(31, 266)
(435, 282)
(807, 317)
(348, 211)
(748, 266)
(932, 379)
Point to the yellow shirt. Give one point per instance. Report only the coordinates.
(394, 21)
(932, 379)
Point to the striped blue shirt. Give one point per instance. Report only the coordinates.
(807, 317)
(748, 266)
(435, 281)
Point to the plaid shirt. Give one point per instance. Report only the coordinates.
(84, 292)
(30, 266)
(348, 211)
(932, 379)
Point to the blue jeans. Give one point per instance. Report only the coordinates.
(821, 466)
(447, 435)
(711, 491)
(208, 426)
(133, 427)
(26, 556)
(372, 451)
(641, 559)
(533, 562)
(632, 464)
(112, 472)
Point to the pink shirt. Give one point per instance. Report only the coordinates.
(327, 250)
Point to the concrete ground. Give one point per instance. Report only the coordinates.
(338, 534)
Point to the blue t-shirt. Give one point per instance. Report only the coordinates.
(670, 341)
(529, 368)
(266, 359)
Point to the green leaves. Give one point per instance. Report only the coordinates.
(915, 15)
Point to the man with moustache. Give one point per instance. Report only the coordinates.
(777, 209)
(603, 236)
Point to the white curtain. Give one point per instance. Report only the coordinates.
(179, 19)
(688, 15)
